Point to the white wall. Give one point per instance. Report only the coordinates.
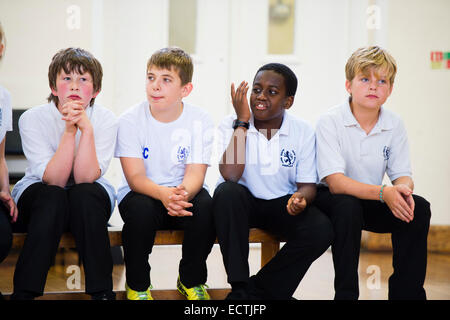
(231, 45)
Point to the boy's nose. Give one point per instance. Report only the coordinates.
(73, 85)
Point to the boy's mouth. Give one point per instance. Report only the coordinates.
(74, 97)
(372, 96)
(156, 98)
(260, 106)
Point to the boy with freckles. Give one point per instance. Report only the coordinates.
(68, 143)
(268, 181)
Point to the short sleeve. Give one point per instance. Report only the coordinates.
(329, 157)
(128, 144)
(105, 135)
(202, 141)
(306, 167)
(35, 144)
(5, 113)
(399, 164)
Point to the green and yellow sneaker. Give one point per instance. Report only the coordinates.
(138, 295)
(194, 293)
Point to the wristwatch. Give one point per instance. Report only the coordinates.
(237, 123)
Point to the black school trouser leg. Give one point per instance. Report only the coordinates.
(42, 215)
(350, 215)
(143, 216)
(308, 235)
(5, 232)
(90, 210)
(46, 212)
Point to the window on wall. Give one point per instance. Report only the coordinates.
(183, 24)
(281, 26)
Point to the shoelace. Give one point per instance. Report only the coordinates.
(200, 291)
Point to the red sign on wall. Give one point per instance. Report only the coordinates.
(440, 60)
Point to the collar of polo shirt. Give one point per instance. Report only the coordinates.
(284, 130)
(384, 123)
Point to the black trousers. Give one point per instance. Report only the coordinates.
(45, 213)
(143, 216)
(308, 235)
(5, 232)
(350, 215)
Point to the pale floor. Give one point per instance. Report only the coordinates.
(374, 271)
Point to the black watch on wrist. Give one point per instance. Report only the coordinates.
(237, 123)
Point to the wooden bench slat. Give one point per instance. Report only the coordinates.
(163, 237)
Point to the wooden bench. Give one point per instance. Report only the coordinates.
(270, 245)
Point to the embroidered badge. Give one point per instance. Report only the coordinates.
(145, 153)
(386, 152)
(287, 158)
(183, 153)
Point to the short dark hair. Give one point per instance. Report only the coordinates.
(290, 79)
(77, 59)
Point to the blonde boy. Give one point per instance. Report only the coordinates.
(358, 142)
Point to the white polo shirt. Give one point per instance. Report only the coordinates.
(5, 112)
(344, 147)
(41, 129)
(165, 148)
(273, 167)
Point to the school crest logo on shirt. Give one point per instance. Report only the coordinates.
(287, 158)
(183, 153)
(386, 152)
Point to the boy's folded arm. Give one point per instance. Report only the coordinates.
(341, 184)
(59, 168)
(134, 171)
(86, 168)
(194, 177)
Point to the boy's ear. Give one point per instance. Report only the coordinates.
(2, 47)
(96, 94)
(186, 89)
(348, 85)
(289, 102)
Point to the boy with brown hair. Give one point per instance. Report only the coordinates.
(358, 142)
(164, 146)
(68, 143)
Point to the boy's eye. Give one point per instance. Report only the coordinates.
(273, 92)
(167, 79)
(66, 78)
(150, 77)
(382, 81)
(364, 79)
(256, 90)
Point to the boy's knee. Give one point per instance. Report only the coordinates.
(226, 191)
(422, 208)
(346, 210)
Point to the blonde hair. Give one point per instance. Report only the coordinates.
(2, 39)
(366, 58)
(173, 57)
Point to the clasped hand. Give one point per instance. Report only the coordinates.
(75, 116)
(399, 199)
(175, 200)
